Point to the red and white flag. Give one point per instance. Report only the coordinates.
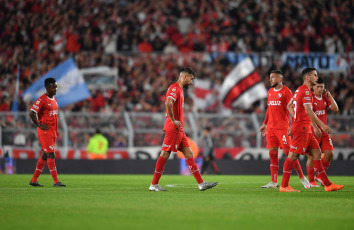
(242, 86)
(203, 94)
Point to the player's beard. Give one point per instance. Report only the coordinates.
(274, 85)
(185, 86)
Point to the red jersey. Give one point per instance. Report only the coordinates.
(47, 113)
(277, 116)
(301, 122)
(176, 93)
(320, 106)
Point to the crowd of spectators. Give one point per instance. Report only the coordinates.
(140, 39)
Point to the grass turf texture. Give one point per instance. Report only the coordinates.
(124, 202)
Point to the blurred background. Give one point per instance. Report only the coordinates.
(128, 53)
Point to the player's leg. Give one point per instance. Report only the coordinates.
(159, 168)
(327, 157)
(188, 154)
(53, 170)
(273, 145)
(310, 171)
(287, 168)
(39, 168)
(315, 152)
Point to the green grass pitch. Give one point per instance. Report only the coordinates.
(124, 202)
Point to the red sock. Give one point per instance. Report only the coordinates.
(320, 172)
(274, 165)
(325, 164)
(53, 169)
(311, 174)
(39, 168)
(160, 166)
(194, 170)
(296, 165)
(287, 168)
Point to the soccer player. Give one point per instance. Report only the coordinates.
(44, 114)
(321, 101)
(175, 138)
(303, 139)
(275, 127)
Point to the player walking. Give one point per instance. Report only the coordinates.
(44, 114)
(175, 138)
(321, 101)
(275, 127)
(303, 139)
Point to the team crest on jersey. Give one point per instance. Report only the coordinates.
(279, 95)
(174, 89)
(38, 102)
(307, 93)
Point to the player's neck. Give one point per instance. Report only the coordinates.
(180, 83)
(308, 84)
(319, 96)
(50, 96)
(279, 86)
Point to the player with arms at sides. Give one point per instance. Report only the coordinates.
(275, 127)
(321, 102)
(44, 114)
(304, 140)
(175, 138)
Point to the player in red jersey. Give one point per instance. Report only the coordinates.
(44, 114)
(275, 127)
(303, 139)
(321, 102)
(175, 138)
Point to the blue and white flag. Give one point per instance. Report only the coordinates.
(71, 85)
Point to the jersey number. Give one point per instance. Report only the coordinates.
(294, 109)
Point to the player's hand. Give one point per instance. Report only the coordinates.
(263, 130)
(176, 123)
(43, 126)
(318, 132)
(327, 129)
(326, 93)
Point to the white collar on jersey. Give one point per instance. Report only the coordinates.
(278, 89)
(319, 98)
(50, 98)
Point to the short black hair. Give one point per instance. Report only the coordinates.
(49, 81)
(98, 131)
(306, 71)
(320, 80)
(187, 70)
(276, 71)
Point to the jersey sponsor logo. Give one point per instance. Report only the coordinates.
(164, 145)
(173, 94)
(307, 98)
(36, 107)
(274, 103)
(53, 112)
(279, 95)
(320, 112)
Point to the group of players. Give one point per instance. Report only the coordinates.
(302, 107)
(310, 134)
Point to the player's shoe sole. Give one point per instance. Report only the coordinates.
(270, 185)
(35, 184)
(287, 189)
(333, 187)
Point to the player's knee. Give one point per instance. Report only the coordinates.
(165, 154)
(51, 155)
(293, 156)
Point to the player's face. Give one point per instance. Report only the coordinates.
(318, 89)
(275, 79)
(52, 88)
(188, 80)
(313, 77)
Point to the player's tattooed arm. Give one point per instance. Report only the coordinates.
(334, 106)
(316, 120)
(169, 109)
(34, 119)
(290, 108)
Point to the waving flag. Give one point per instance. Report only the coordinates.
(203, 95)
(71, 85)
(242, 86)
